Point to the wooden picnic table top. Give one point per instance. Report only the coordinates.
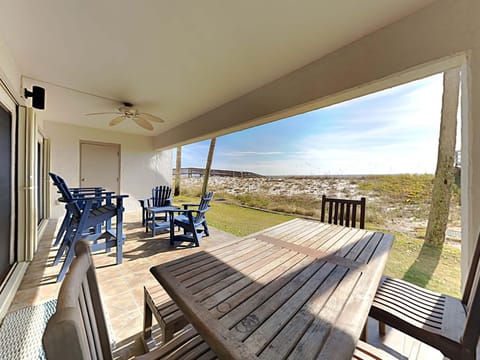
(298, 290)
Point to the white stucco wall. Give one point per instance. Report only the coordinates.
(8, 70)
(141, 166)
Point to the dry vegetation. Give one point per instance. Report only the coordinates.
(398, 203)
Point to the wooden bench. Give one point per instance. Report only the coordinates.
(188, 344)
(168, 315)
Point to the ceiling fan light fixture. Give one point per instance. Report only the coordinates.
(127, 111)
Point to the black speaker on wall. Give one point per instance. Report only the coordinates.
(38, 97)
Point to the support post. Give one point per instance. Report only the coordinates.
(444, 174)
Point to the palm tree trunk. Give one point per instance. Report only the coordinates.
(209, 165)
(444, 174)
(178, 171)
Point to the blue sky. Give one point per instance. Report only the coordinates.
(388, 132)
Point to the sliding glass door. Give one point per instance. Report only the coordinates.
(7, 245)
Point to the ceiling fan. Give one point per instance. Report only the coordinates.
(127, 111)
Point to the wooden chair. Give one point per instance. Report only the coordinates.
(78, 330)
(344, 212)
(193, 221)
(449, 324)
(161, 196)
(83, 217)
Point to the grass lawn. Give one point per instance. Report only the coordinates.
(237, 220)
(434, 268)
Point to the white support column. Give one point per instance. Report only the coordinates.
(27, 185)
(470, 157)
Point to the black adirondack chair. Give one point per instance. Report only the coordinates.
(93, 211)
(192, 221)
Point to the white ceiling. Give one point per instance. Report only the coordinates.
(174, 59)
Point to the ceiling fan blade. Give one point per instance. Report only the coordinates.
(151, 117)
(143, 123)
(116, 121)
(103, 113)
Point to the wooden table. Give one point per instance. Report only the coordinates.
(299, 290)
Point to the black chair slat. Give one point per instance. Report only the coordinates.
(343, 211)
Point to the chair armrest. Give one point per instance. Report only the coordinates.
(186, 205)
(92, 189)
(185, 211)
(99, 198)
(144, 202)
(82, 194)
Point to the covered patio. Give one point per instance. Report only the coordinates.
(123, 295)
(196, 73)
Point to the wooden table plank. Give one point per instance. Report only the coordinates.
(313, 232)
(349, 242)
(214, 267)
(243, 268)
(246, 305)
(194, 263)
(314, 338)
(317, 241)
(292, 314)
(223, 343)
(336, 241)
(283, 230)
(309, 233)
(317, 254)
(282, 259)
(276, 311)
(232, 297)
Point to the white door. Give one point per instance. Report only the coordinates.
(100, 166)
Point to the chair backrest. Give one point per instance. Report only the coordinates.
(471, 300)
(344, 211)
(203, 207)
(161, 195)
(78, 329)
(67, 196)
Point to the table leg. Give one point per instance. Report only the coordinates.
(153, 224)
(171, 216)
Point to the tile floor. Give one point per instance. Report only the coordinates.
(122, 287)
